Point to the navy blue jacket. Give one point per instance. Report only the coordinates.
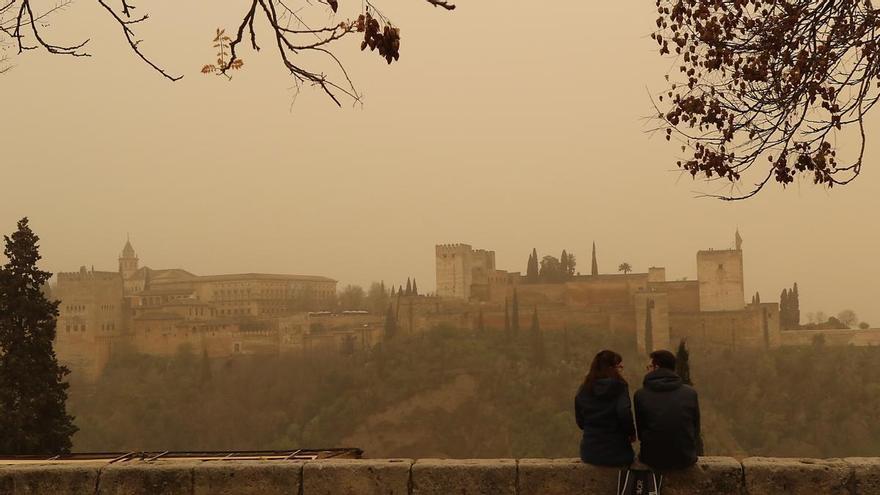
(668, 420)
(605, 416)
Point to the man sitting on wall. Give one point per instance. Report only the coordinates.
(667, 416)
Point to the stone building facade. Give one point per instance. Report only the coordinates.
(158, 311)
(655, 310)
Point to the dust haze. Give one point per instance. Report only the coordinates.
(503, 127)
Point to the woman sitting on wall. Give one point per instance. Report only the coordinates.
(603, 411)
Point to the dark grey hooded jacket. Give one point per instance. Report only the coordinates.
(668, 421)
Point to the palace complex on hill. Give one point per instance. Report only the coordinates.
(655, 310)
(658, 312)
(156, 311)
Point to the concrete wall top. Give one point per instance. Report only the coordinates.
(712, 475)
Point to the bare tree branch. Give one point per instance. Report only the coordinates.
(768, 80)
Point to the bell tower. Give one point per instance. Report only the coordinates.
(128, 262)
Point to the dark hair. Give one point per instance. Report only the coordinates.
(604, 365)
(663, 359)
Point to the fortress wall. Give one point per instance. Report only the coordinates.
(731, 329)
(683, 295)
(711, 475)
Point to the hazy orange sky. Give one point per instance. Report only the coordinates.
(506, 125)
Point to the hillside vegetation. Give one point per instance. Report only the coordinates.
(469, 394)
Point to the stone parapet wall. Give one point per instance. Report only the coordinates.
(712, 475)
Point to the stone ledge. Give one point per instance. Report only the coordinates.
(39, 479)
(464, 477)
(712, 475)
(797, 476)
(357, 477)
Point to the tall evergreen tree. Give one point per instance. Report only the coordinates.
(33, 416)
(595, 267)
(796, 307)
(563, 266)
(480, 324)
(514, 317)
(539, 355)
(415, 288)
(408, 286)
(683, 369)
(532, 270)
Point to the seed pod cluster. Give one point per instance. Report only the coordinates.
(386, 39)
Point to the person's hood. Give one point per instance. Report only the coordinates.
(605, 387)
(662, 380)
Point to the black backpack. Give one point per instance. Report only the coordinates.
(638, 482)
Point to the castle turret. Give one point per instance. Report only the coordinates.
(128, 262)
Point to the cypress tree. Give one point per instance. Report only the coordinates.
(415, 288)
(532, 269)
(683, 369)
(515, 314)
(563, 265)
(408, 287)
(33, 392)
(480, 324)
(595, 267)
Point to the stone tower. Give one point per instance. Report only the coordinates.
(720, 274)
(128, 262)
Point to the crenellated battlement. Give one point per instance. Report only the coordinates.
(453, 248)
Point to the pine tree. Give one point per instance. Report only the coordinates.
(415, 288)
(506, 317)
(408, 287)
(33, 392)
(683, 369)
(514, 326)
